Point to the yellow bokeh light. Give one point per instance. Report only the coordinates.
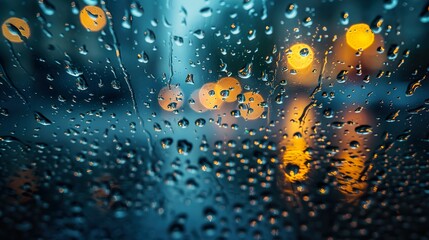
(170, 98)
(351, 169)
(209, 98)
(349, 174)
(295, 160)
(359, 36)
(253, 106)
(300, 56)
(14, 29)
(369, 61)
(93, 18)
(231, 85)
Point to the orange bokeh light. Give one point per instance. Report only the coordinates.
(209, 98)
(296, 159)
(359, 36)
(252, 106)
(345, 57)
(93, 18)
(351, 176)
(170, 99)
(14, 29)
(231, 85)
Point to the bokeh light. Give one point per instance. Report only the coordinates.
(295, 160)
(252, 108)
(93, 18)
(300, 56)
(228, 88)
(209, 98)
(170, 98)
(349, 175)
(359, 36)
(14, 29)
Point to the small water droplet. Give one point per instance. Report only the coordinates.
(363, 129)
(41, 119)
(342, 76)
(150, 36)
(184, 147)
(354, 144)
(304, 52)
(291, 11)
(200, 122)
(166, 143)
(206, 12)
(246, 71)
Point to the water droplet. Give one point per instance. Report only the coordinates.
(126, 20)
(291, 169)
(200, 34)
(47, 7)
(251, 35)
(392, 117)
(390, 4)
(81, 83)
(424, 15)
(176, 231)
(328, 113)
(184, 147)
(412, 87)
(342, 76)
(178, 40)
(206, 12)
(150, 36)
(200, 122)
(205, 164)
(338, 125)
(41, 119)
(344, 18)
(291, 11)
(304, 52)
(363, 129)
(166, 143)
(190, 79)
(143, 57)
(377, 23)
(354, 144)
(236, 113)
(246, 71)
(307, 22)
(183, 123)
(248, 4)
(136, 9)
(393, 52)
(157, 127)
